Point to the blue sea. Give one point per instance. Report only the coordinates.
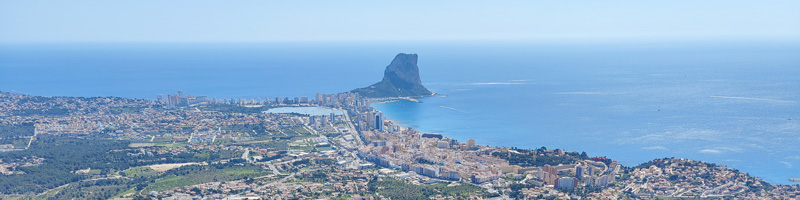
(730, 103)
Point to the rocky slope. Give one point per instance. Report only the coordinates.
(400, 79)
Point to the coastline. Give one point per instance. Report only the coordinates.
(384, 100)
(633, 164)
(495, 160)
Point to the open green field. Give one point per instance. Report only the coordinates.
(144, 171)
(125, 193)
(243, 172)
(170, 182)
(324, 148)
(301, 130)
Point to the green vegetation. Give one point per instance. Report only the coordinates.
(170, 182)
(125, 193)
(125, 109)
(99, 189)
(317, 177)
(63, 155)
(52, 112)
(16, 130)
(528, 158)
(324, 148)
(197, 174)
(398, 189)
(301, 130)
(291, 131)
(272, 144)
(332, 134)
(17, 135)
(141, 180)
(203, 155)
(136, 172)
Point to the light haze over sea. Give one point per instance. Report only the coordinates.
(736, 104)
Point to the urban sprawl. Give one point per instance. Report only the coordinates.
(350, 152)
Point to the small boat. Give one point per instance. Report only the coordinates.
(795, 179)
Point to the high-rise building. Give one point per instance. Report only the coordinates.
(379, 121)
(567, 183)
(443, 144)
(180, 94)
(318, 99)
(471, 144)
(605, 180)
(168, 100)
(578, 172)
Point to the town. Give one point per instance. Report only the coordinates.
(332, 146)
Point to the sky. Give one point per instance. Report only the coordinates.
(157, 21)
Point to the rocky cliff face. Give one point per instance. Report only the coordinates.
(400, 79)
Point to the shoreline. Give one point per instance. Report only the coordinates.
(389, 100)
(384, 100)
(395, 121)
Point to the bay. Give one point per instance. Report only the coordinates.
(731, 103)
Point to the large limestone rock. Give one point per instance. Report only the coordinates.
(400, 79)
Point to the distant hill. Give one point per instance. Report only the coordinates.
(400, 79)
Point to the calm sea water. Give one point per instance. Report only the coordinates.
(736, 104)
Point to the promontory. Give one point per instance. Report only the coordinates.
(400, 79)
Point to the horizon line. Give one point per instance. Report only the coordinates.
(567, 39)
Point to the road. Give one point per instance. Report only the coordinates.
(32, 138)
(353, 130)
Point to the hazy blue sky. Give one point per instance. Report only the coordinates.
(25, 21)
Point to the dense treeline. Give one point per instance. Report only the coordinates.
(96, 189)
(63, 155)
(397, 189)
(106, 188)
(124, 109)
(52, 112)
(16, 130)
(531, 159)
